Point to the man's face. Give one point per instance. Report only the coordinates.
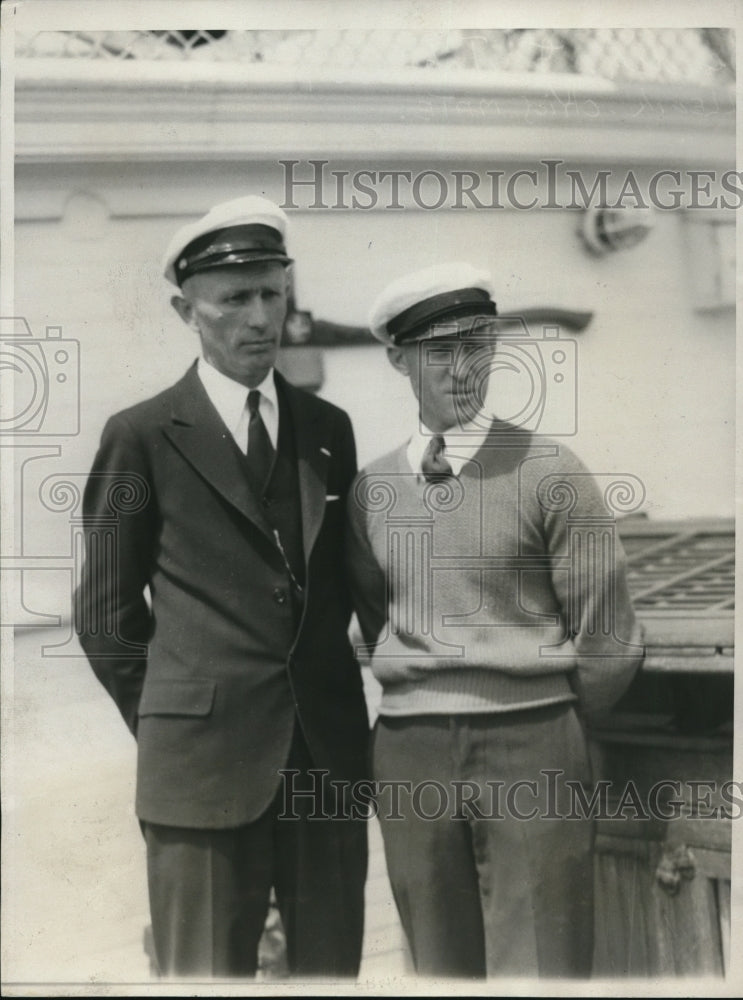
(449, 371)
(238, 313)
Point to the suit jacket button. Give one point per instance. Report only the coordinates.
(266, 501)
(279, 595)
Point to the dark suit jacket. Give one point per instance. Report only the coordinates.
(184, 612)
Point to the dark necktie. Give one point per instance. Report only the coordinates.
(260, 449)
(435, 467)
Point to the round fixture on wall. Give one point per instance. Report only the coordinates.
(607, 229)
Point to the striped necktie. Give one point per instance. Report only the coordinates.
(260, 450)
(434, 466)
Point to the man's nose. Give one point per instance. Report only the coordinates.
(257, 314)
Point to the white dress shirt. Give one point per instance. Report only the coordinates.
(461, 444)
(230, 400)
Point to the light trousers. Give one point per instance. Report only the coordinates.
(500, 882)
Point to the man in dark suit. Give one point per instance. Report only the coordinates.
(218, 623)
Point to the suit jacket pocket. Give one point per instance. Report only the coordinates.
(178, 697)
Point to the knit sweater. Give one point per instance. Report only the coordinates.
(503, 588)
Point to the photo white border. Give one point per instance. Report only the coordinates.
(139, 14)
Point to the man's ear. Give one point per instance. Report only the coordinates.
(185, 310)
(397, 359)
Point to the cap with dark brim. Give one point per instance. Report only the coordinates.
(416, 320)
(233, 245)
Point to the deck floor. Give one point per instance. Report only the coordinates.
(74, 890)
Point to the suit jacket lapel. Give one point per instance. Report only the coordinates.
(312, 459)
(201, 436)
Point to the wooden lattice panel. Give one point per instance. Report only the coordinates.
(687, 570)
(682, 579)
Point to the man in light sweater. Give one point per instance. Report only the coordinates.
(490, 588)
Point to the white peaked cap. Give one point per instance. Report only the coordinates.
(236, 247)
(413, 302)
